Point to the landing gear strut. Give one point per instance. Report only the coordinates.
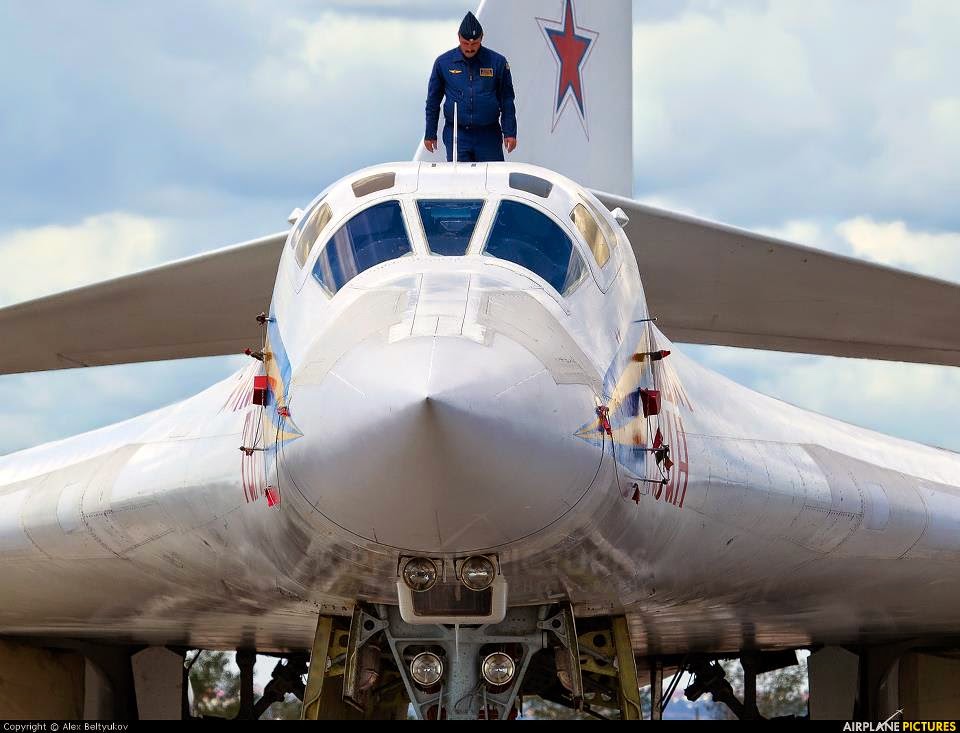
(476, 671)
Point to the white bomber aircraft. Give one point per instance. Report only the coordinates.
(466, 461)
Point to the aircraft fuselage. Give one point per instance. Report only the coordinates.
(445, 376)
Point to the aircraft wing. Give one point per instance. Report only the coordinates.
(201, 306)
(713, 284)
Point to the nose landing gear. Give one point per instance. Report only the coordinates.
(468, 672)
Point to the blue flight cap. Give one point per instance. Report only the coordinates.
(470, 28)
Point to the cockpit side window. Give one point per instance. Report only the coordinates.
(602, 221)
(531, 239)
(449, 224)
(373, 236)
(309, 231)
(592, 233)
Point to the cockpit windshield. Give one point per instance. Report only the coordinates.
(373, 236)
(531, 239)
(449, 224)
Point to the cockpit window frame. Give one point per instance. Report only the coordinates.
(600, 213)
(344, 221)
(316, 212)
(599, 230)
(493, 208)
(480, 226)
(607, 274)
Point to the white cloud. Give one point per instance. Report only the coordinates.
(800, 231)
(893, 243)
(388, 46)
(349, 84)
(753, 112)
(756, 86)
(319, 91)
(52, 258)
(52, 405)
(913, 401)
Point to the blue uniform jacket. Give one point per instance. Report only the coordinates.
(482, 88)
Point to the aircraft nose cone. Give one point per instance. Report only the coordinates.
(442, 444)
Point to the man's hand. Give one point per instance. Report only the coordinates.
(430, 145)
(510, 143)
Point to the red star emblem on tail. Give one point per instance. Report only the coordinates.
(571, 46)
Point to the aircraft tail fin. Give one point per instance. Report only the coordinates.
(571, 62)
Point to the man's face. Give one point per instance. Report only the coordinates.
(469, 48)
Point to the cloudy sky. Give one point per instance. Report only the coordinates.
(133, 133)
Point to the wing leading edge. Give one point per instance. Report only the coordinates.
(712, 284)
(201, 306)
(707, 283)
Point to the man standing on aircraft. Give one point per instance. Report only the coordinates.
(478, 81)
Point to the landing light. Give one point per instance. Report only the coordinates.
(498, 668)
(477, 573)
(426, 669)
(420, 574)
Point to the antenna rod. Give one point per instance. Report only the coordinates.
(454, 133)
